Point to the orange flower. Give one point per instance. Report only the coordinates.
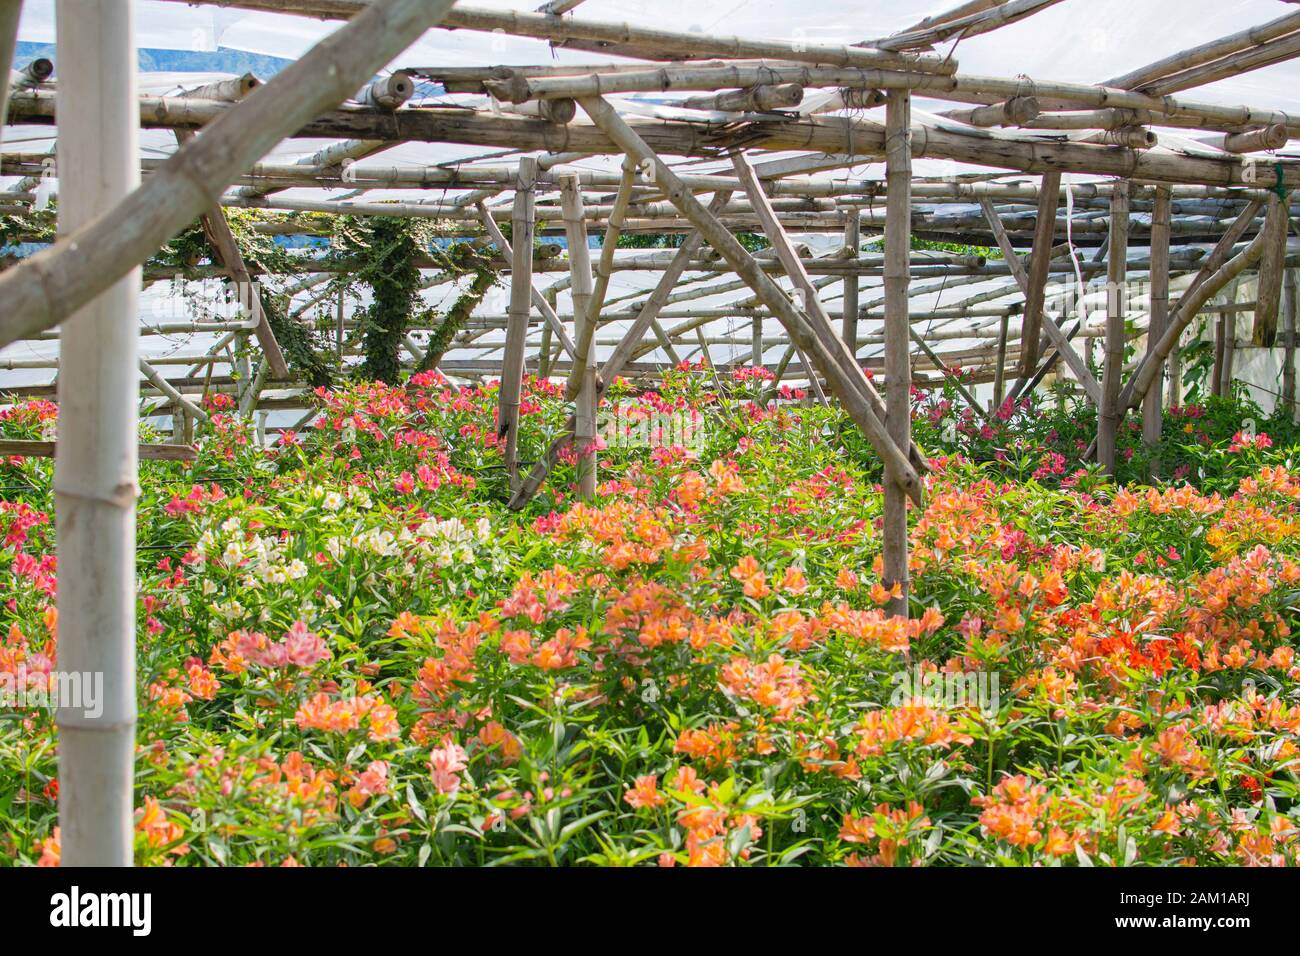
(645, 793)
(793, 581)
(152, 822)
(748, 572)
(51, 849)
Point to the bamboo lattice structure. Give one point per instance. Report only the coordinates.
(1088, 219)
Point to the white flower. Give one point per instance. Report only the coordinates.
(230, 525)
(233, 554)
(333, 501)
(332, 602)
(296, 569)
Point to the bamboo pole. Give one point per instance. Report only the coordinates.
(10, 13)
(754, 99)
(1220, 353)
(1000, 371)
(584, 429)
(521, 289)
(849, 322)
(1116, 312)
(46, 288)
(1271, 266)
(585, 329)
(96, 459)
(837, 135)
(847, 388)
(1227, 370)
(898, 376)
(1207, 52)
(1016, 111)
(1175, 383)
(1039, 260)
(1152, 412)
(179, 451)
(1273, 136)
(613, 230)
(982, 21)
(1245, 61)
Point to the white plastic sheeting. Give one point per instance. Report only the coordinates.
(1075, 40)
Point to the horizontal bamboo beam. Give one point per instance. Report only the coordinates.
(45, 449)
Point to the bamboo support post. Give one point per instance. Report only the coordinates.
(584, 429)
(521, 296)
(1152, 412)
(1227, 371)
(96, 458)
(898, 376)
(1272, 264)
(1116, 314)
(10, 12)
(1039, 260)
(849, 322)
(1000, 370)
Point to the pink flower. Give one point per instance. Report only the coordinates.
(446, 764)
(302, 647)
(374, 780)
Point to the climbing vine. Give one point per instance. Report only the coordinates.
(381, 255)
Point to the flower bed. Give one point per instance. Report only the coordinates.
(351, 653)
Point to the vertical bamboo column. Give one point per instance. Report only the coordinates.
(1229, 343)
(1000, 370)
(756, 342)
(1116, 308)
(1271, 266)
(898, 373)
(852, 239)
(10, 12)
(1040, 258)
(521, 298)
(1220, 344)
(1288, 342)
(584, 428)
(95, 461)
(1152, 411)
(1175, 382)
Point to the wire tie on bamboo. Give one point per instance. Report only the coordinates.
(124, 495)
